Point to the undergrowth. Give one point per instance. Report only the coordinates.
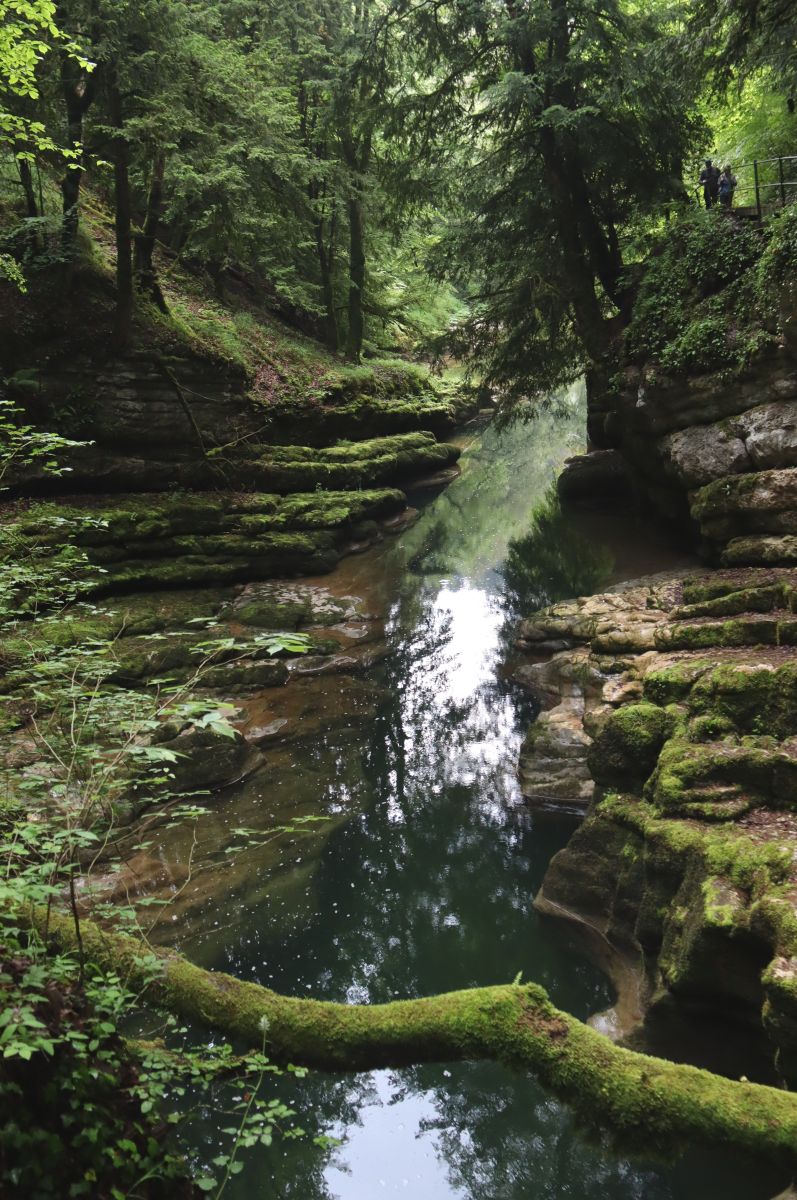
(86, 1109)
(709, 300)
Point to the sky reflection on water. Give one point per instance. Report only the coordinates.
(427, 886)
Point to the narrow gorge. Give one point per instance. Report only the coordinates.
(398, 597)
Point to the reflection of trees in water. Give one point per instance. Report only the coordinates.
(294, 1170)
(501, 1136)
(505, 476)
(443, 866)
(433, 555)
(552, 562)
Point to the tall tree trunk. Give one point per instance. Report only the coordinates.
(590, 322)
(331, 336)
(34, 238)
(145, 273)
(28, 190)
(78, 88)
(123, 218)
(603, 254)
(354, 341)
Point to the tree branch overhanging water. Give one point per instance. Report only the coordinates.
(643, 1102)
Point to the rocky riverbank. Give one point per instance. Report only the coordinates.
(219, 451)
(670, 711)
(670, 703)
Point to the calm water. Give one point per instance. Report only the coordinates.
(424, 879)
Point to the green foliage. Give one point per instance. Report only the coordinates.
(701, 346)
(576, 119)
(83, 1110)
(28, 32)
(776, 271)
(698, 307)
(36, 576)
(740, 37)
(95, 746)
(22, 444)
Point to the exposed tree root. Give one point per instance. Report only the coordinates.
(644, 1101)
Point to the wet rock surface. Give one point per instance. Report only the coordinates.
(672, 712)
(601, 472)
(231, 649)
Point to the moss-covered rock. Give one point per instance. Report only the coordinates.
(627, 748)
(691, 867)
(170, 541)
(286, 469)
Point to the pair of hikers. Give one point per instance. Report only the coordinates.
(718, 186)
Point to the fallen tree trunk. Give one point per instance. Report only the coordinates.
(648, 1103)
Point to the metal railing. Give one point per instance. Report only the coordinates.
(768, 183)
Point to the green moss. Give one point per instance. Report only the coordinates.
(709, 728)
(742, 631)
(758, 867)
(723, 495)
(649, 1101)
(718, 909)
(351, 464)
(198, 539)
(751, 599)
(719, 780)
(627, 747)
(706, 588)
(670, 685)
(756, 698)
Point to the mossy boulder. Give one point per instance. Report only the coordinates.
(758, 698)
(717, 781)
(709, 953)
(673, 683)
(627, 748)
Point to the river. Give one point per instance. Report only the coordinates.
(421, 878)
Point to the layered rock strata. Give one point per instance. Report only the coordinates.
(175, 539)
(150, 422)
(672, 711)
(719, 449)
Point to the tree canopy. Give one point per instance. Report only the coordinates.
(478, 178)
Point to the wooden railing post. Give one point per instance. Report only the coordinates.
(757, 188)
(782, 182)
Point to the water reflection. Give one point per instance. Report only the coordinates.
(554, 561)
(425, 882)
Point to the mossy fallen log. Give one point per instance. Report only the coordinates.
(644, 1102)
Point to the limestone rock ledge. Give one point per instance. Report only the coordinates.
(671, 705)
(718, 449)
(177, 539)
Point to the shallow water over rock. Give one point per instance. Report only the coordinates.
(421, 876)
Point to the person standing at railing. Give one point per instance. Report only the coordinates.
(726, 187)
(710, 179)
